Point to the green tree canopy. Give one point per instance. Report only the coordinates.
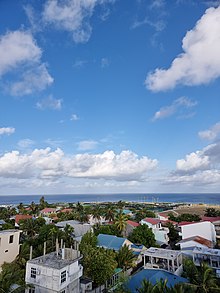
(143, 235)
(125, 258)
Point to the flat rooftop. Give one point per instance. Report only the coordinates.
(9, 231)
(162, 253)
(59, 261)
(207, 251)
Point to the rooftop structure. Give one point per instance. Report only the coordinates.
(55, 272)
(169, 260)
(193, 241)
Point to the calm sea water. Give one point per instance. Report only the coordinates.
(209, 198)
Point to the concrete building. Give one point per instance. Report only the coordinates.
(203, 229)
(56, 272)
(188, 244)
(79, 228)
(209, 256)
(160, 233)
(9, 245)
(166, 259)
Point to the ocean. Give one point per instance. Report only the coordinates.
(208, 198)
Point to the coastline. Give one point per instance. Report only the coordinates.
(142, 198)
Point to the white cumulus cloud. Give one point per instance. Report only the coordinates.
(193, 162)
(199, 168)
(199, 63)
(7, 130)
(72, 16)
(19, 51)
(48, 164)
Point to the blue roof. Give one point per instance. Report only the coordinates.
(153, 276)
(110, 241)
(137, 246)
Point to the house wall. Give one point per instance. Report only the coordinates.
(191, 244)
(148, 224)
(8, 251)
(48, 279)
(203, 229)
(161, 235)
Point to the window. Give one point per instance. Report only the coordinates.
(64, 291)
(11, 238)
(33, 273)
(32, 290)
(63, 277)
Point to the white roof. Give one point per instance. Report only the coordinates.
(207, 251)
(162, 253)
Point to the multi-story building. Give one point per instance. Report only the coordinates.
(208, 256)
(203, 229)
(55, 272)
(160, 233)
(9, 245)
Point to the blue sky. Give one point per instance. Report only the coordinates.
(102, 96)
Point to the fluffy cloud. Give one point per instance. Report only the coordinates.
(48, 164)
(193, 162)
(49, 103)
(199, 63)
(19, 51)
(211, 133)
(198, 168)
(179, 104)
(72, 16)
(7, 130)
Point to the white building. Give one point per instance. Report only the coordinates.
(56, 272)
(188, 244)
(209, 256)
(160, 233)
(9, 245)
(202, 229)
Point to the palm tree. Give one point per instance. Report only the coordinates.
(109, 213)
(120, 221)
(146, 287)
(33, 207)
(68, 233)
(125, 258)
(21, 208)
(202, 279)
(97, 212)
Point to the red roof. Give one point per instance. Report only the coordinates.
(183, 223)
(199, 240)
(132, 223)
(66, 210)
(210, 219)
(18, 218)
(153, 221)
(48, 210)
